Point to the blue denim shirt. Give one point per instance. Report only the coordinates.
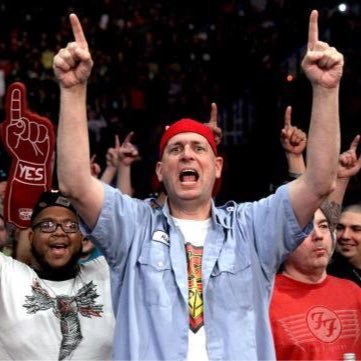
(244, 247)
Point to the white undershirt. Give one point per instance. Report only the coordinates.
(195, 232)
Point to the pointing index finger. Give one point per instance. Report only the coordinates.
(288, 114)
(78, 31)
(313, 29)
(355, 142)
(213, 117)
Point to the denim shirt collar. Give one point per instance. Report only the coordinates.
(217, 216)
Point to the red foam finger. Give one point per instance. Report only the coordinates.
(15, 102)
(29, 139)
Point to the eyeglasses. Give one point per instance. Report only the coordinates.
(50, 226)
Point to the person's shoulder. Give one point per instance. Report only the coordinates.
(97, 265)
(345, 283)
(13, 265)
(232, 206)
(115, 199)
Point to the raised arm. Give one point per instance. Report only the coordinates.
(348, 166)
(293, 141)
(323, 66)
(72, 67)
(127, 154)
(121, 158)
(111, 167)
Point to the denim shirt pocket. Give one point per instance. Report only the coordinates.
(156, 275)
(230, 281)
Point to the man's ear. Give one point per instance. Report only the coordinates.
(31, 236)
(159, 171)
(219, 166)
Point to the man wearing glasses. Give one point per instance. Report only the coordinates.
(63, 304)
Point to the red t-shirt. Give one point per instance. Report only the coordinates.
(316, 321)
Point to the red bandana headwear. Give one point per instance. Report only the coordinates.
(184, 126)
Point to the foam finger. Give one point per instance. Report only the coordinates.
(17, 101)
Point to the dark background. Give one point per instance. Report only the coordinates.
(158, 61)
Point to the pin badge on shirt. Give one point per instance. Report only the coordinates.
(161, 236)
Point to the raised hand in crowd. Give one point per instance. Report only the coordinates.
(349, 163)
(72, 67)
(94, 167)
(293, 141)
(127, 152)
(119, 160)
(111, 163)
(323, 66)
(213, 124)
(348, 166)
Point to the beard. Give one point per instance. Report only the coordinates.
(49, 272)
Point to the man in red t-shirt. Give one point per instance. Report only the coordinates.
(315, 316)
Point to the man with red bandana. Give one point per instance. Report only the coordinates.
(191, 280)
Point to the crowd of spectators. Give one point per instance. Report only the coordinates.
(160, 61)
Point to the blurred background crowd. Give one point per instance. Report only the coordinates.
(156, 62)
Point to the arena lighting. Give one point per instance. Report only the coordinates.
(289, 78)
(342, 7)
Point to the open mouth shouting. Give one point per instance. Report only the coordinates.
(58, 248)
(188, 176)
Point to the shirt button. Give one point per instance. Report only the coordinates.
(160, 263)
